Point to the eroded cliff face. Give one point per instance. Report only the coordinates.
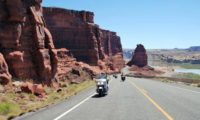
(76, 31)
(5, 76)
(25, 42)
(112, 48)
(139, 57)
(72, 30)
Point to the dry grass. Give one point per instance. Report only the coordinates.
(12, 104)
(170, 81)
(162, 79)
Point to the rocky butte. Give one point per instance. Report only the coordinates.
(76, 31)
(138, 64)
(25, 42)
(139, 57)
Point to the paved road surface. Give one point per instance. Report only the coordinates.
(134, 99)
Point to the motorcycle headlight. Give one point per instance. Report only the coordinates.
(99, 83)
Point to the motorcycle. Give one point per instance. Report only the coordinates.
(123, 78)
(102, 85)
(115, 76)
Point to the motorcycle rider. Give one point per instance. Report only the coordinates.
(107, 78)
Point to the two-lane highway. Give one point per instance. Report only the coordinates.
(134, 99)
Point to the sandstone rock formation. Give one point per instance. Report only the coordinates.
(144, 71)
(76, 31)
(5, 76)
(66, 62)
(25, 42)
(28, 49)
(139, 57)
(138, 64)
(113, 50)
(36, 89)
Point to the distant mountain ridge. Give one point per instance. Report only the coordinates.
(194, 48)
(128, 52)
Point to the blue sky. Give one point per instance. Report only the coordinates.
(153, 23)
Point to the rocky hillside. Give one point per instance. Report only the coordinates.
(26, 43)
(27, 49)
(76, 31)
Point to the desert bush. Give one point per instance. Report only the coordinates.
(7, 108)
(191, 76)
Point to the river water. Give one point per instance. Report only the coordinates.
(180, 70)
(196, 71)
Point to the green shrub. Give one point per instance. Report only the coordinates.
(189, 66)
(31, 97)
(49, 90)
(198, 85)
(11, 95)
(191, 76)
(188, 84)
(53, 96)
(8, 108)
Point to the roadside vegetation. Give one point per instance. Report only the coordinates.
(191, 76)
(162, 79)
(13, 104)
(166, 80)
(184, 65)
(181, 65)
(188, 65)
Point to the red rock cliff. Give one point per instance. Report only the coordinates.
(76, 31)
(112, 48)
(25, 42)
(139, 57)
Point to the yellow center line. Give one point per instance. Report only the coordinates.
(144, 91)
(152, 101)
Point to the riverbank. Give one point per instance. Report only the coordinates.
(175, 65)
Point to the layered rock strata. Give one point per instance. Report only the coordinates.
(25, 42)
(139, 57)
(5, 76)
(76, 31)
(112, 48)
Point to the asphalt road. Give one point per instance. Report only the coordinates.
(134, 99)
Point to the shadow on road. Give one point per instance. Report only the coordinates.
(97, 96)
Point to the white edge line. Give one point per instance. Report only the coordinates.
(65, 113)
(68, 111)
(184, 89)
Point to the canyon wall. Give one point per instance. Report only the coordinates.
(76, 31)
(27, 49)
(112, 49)
(25, 42)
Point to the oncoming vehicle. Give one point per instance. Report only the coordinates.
(102, 85)
(123, 77)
